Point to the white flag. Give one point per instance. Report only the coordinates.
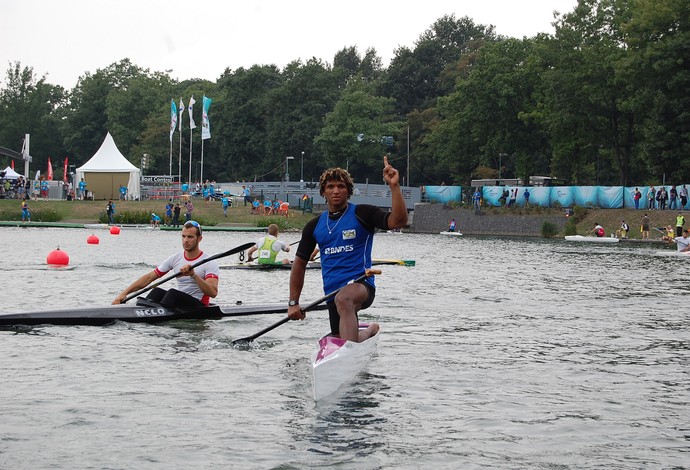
(181, 113)
(192, 125)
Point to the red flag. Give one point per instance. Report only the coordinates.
(64, 178)
(50, 170)
(12, 164)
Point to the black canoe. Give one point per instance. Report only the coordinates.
(151, 313)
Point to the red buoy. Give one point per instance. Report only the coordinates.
(115, 230)
(93, 240)
(58, 257)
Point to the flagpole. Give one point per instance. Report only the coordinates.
(179, 163)
(189, 179)
(201, 174)
(170, 170)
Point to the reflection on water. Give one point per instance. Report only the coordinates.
(498, 353)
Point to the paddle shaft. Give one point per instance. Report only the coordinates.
(370, 272)
(237, 249)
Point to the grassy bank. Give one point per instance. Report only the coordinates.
(212, 214)
(94, 212)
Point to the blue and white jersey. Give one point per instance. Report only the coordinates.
(345, 246)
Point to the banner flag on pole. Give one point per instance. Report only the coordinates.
(192, 124)
(12, 164)
(181, 113)
(64, 173)
(173, 118)
(50, 170)
(205, 124)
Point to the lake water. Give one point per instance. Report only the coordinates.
(495, 352)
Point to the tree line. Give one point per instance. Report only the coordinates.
(604, 100)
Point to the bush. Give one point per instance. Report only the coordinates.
(43, 215)
(549, 229)
(570, 227)
(579, 214)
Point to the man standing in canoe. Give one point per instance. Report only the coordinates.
(344, 234)
(195, 286)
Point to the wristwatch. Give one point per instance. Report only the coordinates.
(292, 303)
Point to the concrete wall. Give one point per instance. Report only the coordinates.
(434, 218)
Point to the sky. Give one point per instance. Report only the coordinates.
(65, 39)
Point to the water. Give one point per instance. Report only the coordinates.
(500, 353)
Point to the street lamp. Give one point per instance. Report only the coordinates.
(500, 165)
(301, 171)
(287, 172)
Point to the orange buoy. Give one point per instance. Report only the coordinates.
(58, 257)
(115, 230)
(92, 240)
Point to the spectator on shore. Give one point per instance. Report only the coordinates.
(622, 232)
(637, 195)
(651, 197)
(644, 227)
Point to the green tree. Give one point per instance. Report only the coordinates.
(658, 68)
(356, 131)
(30, 105)
(592, 132)
(415, 77)
(241, 112)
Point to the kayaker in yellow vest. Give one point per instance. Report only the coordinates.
(269, 247)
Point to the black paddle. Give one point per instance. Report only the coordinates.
(370, 272)
(237, 249)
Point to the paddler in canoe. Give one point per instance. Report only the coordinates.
(268, 247)
(344, 234)
(195, 286)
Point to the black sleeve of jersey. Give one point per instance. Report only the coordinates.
(372, 217)
(307, 243)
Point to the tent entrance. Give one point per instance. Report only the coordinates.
(105, 185)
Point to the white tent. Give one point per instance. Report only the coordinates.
(10, 174)
(107, 170)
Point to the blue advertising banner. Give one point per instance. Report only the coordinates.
(610, 197)
(491, 195)
(540, 196)
(606, 197)
(443, 194)
(563, 195)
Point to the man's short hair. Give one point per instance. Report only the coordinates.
(336, 174)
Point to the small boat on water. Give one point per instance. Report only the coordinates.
(676, 253)
(582, 238)
(451, 234)
(314, 264)
(336, 362)
(144, 311)
(123, 226)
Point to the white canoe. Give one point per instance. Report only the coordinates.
(680, 254)
(336, 362)
(452, 234)
(123, 226)
(581, 238)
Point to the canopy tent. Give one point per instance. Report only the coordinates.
(10, 174)
(107, 170)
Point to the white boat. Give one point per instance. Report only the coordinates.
(582, 238)
(336, 362)
(451, 234)
(680, 254)
(122, 226)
